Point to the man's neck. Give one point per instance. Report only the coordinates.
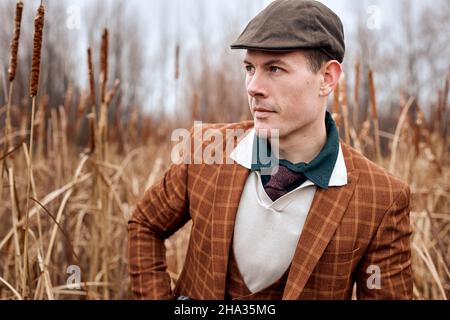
(305, 144)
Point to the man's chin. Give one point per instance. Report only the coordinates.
(266, 131)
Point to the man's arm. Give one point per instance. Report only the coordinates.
(385, 269)
(161, 212)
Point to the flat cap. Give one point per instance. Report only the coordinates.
(289, 25)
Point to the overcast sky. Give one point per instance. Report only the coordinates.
(179, 15)
(179, 20)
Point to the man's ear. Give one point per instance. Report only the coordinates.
(331, 73)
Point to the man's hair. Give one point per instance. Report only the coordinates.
(315, 59)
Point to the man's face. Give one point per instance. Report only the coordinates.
(283, 92)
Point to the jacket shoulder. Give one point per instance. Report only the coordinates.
(372, 175)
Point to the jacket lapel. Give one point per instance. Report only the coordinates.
(326, 212)
(229, 186)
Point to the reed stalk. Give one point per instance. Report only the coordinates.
(335, 109)
(356, 96)
(344, 104)
(14, 49)
(374, 113)
(34, 86)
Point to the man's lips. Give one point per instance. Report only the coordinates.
(258, 109)
(262, 113)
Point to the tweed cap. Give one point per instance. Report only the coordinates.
(289, 25)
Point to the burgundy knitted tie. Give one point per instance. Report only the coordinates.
(282, 181)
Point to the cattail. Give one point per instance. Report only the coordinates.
(12, 74)
(104, 63)
(34, 84)
(177, 61)
(37, 45)
(373, 98)
(15, 42)
(91, 77)
(374, 110)
(104, 54)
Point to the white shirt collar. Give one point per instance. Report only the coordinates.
(242, 154)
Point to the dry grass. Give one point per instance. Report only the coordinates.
(80, 198)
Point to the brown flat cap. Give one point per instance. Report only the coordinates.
(289, 25)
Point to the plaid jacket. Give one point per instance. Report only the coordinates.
(358, 233)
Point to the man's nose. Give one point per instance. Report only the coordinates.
(255, 86)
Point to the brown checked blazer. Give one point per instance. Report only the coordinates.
(349, 232)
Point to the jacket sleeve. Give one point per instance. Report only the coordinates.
(160, 213)
(385, 271)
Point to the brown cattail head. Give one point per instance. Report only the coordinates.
(104, 53)
(104, 63)
(15, 42)
(91, 77)
(37, 45)
(373, 97)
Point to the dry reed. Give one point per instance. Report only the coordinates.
(344, 103)
(11, 76)
(374, 113)
(335, 109)
(34, 86)
(356, 96)
(92, 117)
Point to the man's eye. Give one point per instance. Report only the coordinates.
(249, 68)
(275, 69)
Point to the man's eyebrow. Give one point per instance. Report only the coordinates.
(269, 63)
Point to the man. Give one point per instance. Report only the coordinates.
(308, 224)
